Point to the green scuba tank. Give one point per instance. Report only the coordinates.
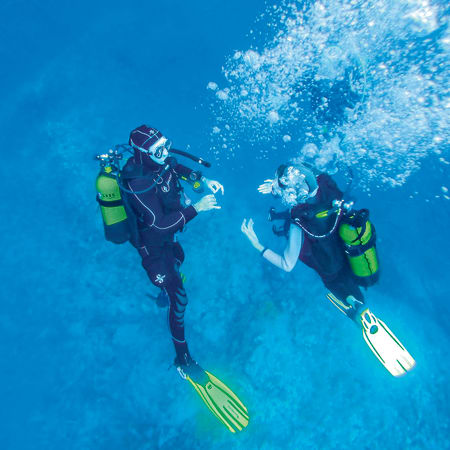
(115, 220)
(358, 235)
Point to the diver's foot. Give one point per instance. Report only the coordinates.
(188, 367)
(357, 309)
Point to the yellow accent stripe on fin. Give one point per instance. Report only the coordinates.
(336, 302)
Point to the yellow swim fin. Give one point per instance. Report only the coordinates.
(217, 396)
(385, 346)
(222, 402)
(380, 339)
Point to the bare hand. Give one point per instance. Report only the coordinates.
(251, 235)
(213, 185)
(206, 203)
(266, 187)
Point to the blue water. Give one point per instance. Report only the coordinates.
(86, 354)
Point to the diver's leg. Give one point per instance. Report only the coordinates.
(177, 307)
(164, 274)
(347, 293)
(178, 302)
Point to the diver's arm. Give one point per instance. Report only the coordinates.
(289, 259)
(291, 253)
(194, 175)
(149, 206)
(188, 173)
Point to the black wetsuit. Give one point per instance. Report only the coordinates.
(325, 255)
(161, 214)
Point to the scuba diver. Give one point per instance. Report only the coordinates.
(144, 203)
(336, 241)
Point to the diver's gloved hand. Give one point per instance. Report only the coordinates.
(266, 187)
(206, 203)
(213, 185)
(251, 235)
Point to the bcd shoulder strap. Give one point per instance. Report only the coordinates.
(136, 221)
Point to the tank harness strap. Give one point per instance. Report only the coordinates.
(143, 251)
(358, 250)
(359, 220)
(130, 173)
(137, 223)
(111, 203)
(361, 233)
